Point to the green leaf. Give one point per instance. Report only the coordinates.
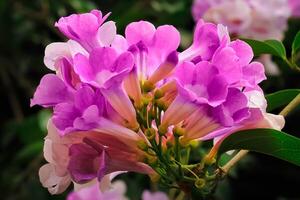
(272, 47)
(296, 44)
(267, 141)
(30, 151)
(281, 98)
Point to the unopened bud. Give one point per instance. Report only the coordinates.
(183, 141)
(209, 160)
(150, 133)
(162, 129)
(161, 105)
(178, 131)
(158, 94)
(200, 183)
(142, 145)
(148, 86)
(154, 177)
(194, 143)
(151, 160)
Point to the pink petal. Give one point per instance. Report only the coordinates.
(139, 31)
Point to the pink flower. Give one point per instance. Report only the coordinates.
(295, 7)
(211, 92)
(92, 192)
(88, 29)
(155, 54)
(258, 118)
(83, 156)
(257, 19)
(147, 195)
(116, 191)
(106, 70)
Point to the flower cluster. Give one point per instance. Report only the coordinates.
(257, 19)
(295, 7)
(105, 190)
(131, 103)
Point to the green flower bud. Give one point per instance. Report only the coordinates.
(150, 133)
(200, 183)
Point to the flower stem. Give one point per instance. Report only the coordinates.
(234, 160)
(292, 105)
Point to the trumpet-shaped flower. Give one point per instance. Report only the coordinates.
(83, 156)
(88, 29)
(249, 18)
(295, 7)
(105, 69)
(155, 54)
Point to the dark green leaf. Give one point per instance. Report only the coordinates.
(30, 151)
(267, 141)
(281, 98)
(296, 44)
(272, 47)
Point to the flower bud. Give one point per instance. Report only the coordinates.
(158, 94)
(200, 183)
(209, 160)
(148, 86)
(178, 131)
(142, 145)
(150, 133)
(161, 105)
(154, 177)
(162, 130)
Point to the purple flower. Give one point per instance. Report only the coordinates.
(295, 7)
(155, 54)
(257, 19)
(210, 91)
(207, 39)
(106, 70)
(83, 113)
(93, 192)
(87, 29)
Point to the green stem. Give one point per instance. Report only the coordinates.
(292, 105)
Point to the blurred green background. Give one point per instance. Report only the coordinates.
(27, 26)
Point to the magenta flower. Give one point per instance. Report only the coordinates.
(88, 29)
(116, 191)
(120, 102)
(83, 156)
(295, 7)
(248, 18)
(258, 117)
(106, 70)
(210, 91)
(154, 51)
(93, 192)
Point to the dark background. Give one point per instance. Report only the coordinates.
(27, 26)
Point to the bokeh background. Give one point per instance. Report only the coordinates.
(27, 26)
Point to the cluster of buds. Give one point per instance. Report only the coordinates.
(134, 103)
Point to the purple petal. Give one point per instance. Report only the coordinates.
(82, 163)
(227, 63)
(205, 42)
(63, 117)
(102, 58)
(166, 39)
(83, 68)
(139, 31)
(106, 33)
(217, 90)
(254, 73)
(51, 91)
(243, 51)
(88, 120)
